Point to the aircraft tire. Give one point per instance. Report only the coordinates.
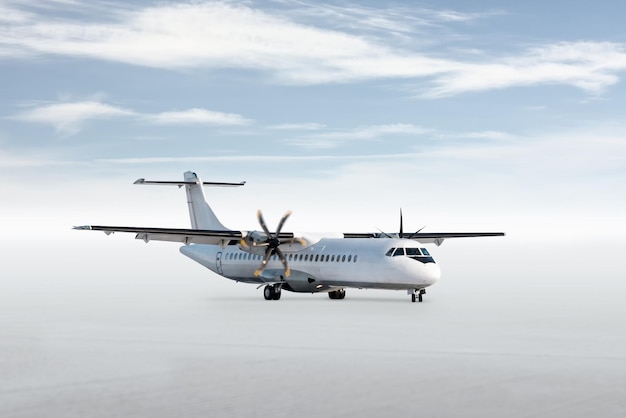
(419, 297)
(268, 293)
(276, 291)
(413, 298)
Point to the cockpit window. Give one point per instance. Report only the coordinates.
(419, 254)
(413, 251)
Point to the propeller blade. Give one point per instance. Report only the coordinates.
(282, 222)
(272, 242)
(416, 232)
(266, 259)
(401, 230)
(259, 215)
(384, 233)
(283, 260)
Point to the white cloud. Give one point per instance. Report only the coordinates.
(216, 35)
(495, 135)
(13, 160)
(298, 126)
(198, 116)
(396, 20)
(250, 158)
(375, 131)
(324, 140)
(67, 118)
(590, 66)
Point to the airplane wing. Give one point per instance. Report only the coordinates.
(187, 236)
(426, 237)
(223, 237)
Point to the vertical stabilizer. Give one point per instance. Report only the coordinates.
(200, 213)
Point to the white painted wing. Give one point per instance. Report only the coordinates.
(425, 237)
(186, 236)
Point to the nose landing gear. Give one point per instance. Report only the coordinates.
(416, 294)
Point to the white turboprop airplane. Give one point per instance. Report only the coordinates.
(298, 262)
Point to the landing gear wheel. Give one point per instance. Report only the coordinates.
(277, 291)
(268, 293)
(416, 295)
(337, 294)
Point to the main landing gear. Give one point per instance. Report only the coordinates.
(272, 292)
(337, 294)
(417, 295)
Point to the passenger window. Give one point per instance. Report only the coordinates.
(398, 252)
(332, 258)
(390, 252)
(425, 251)
(343, 258)
(355, 257)
(327, 257)
(317, 257)
(349, 258)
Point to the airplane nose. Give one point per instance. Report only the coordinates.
(432, 273)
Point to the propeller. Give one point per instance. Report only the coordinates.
(401, 233)
(272, 243)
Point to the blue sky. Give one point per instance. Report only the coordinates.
(508, 113)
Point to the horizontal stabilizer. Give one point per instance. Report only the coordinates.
(183, 183)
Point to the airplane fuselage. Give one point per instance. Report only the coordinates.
(356, 263)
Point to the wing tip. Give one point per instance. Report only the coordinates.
(82, 227)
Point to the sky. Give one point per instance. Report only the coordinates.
(483, 115)
(468, 116)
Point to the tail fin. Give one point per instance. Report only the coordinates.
(200, 213)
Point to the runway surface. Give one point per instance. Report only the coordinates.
(125, 329)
